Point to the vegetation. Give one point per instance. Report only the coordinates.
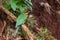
(23, 6)
(20, 24)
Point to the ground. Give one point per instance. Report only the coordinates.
(45, 14)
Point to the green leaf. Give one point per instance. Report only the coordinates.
(21, 3)
(21, 19)
(21, 9)
(13, 4)
(7, 6)
(21, 6)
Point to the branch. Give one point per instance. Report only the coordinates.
(24, 27)
(8, 13)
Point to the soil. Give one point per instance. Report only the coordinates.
(52, 20)
(49, 18)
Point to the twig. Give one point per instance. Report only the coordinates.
(8, 13)
(2, 27)
(28, 32)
